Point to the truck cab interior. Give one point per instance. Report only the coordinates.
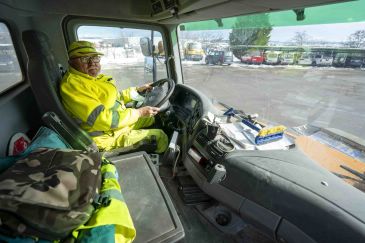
(202, 189)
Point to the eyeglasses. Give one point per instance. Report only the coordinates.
(86, 60)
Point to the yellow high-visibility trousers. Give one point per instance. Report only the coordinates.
(132, 135)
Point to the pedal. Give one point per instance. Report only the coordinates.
(190, 192)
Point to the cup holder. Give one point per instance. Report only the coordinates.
(223, 217)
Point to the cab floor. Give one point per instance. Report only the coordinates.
(198, 229)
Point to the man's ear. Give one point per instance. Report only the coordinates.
(71, 63)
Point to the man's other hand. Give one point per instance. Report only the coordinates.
(145, 88)
(148, 111)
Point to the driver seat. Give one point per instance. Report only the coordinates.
(45, 75)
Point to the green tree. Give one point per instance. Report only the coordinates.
(249, 30)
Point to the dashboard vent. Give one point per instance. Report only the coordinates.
(193, 121)
(215, 151)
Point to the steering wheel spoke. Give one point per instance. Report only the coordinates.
(159, 82)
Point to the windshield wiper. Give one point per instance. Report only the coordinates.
(354, 172)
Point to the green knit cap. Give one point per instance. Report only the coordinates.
(82, 48)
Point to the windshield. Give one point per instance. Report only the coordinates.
(195, 46)
(272, 55)
(299, 80)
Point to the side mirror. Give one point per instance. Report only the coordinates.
(146, 46)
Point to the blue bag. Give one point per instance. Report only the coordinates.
(45, 138)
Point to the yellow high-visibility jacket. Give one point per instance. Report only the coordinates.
(96, 103)
(116, 213)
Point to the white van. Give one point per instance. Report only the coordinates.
(306, 59)
(287, 58)
(273, 57)
(323, 60)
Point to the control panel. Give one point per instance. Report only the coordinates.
(160, 6)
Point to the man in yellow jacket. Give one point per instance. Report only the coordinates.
(97, 105)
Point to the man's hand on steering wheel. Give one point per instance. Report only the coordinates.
(159, 94)
(145, 88)
(148, 111)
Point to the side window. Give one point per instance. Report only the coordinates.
(123, 58)
(10, 73)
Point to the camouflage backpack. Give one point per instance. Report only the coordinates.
(49, 193)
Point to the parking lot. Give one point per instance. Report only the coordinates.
(289, 95)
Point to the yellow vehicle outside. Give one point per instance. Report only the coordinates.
(193, 51)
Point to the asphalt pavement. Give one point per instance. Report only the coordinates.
(288, 95)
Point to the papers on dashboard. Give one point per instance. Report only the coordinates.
(210, 117)
(243, 137)
(235, 132)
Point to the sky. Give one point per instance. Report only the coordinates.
(110, 32)
(328, 32)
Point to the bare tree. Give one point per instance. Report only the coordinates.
(207, 36)
(203, 35)
(357, 39)
(190, 35)
(300, 38)
(218, 37)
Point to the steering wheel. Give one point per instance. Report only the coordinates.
(159, 94)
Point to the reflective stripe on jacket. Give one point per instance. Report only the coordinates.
(96, 102)
(116, 213)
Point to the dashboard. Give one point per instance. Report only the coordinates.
(272, 189)
(187, 107)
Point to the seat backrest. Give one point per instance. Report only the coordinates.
(45, 75)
